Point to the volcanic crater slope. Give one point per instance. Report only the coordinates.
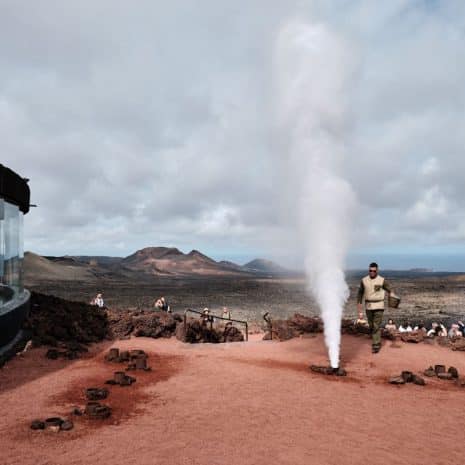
(38, 268)
(171, 261)
(143, 264)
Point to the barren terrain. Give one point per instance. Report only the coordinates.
(424, 297)
(250, 403)
(194, 280)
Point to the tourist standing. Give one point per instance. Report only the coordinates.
(162, 305)
(226, 313)
(99, 301)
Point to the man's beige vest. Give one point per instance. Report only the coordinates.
(374, 293)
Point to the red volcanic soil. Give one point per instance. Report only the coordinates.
(250, 403)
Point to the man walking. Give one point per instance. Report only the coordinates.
(373, 289)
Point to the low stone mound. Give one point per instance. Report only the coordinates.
(53, 321)
(304, 324)
(299, 325)
(121, 378)
(54, 424)
(232, 334)
(121, 323)
(354, 327)
(414, 336)
(328, 370)
(407, 377)
(94, 394)
(136, 359)
(194, 332)
(441, 373)
(458, 344)
(97, 411)
(71, 351)
(144, 323)
(295, 326)
(69, 326)
(155, 324)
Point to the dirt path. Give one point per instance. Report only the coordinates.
(248, 403)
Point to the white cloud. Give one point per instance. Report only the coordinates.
(432, 206)
(430, 167)
(153, 123)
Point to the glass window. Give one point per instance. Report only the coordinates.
(11, 251)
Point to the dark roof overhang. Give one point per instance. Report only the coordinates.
(14, 189)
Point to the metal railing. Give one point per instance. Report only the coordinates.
(214, 317)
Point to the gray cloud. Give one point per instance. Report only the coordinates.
(154, 123)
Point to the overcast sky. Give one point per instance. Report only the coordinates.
(154, 123)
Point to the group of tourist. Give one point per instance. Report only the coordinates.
(206, 317)
(159, 304)
(162, 305)
(437, 329)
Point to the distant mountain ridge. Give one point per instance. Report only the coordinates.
(149, 261)
(171, 261)
(262, 265)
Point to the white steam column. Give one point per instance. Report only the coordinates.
(313, 68)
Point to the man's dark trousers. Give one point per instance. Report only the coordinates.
(375, 319)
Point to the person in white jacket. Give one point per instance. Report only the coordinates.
(405, 328)
(437, 329)
(99, 301)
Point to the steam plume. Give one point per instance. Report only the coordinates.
(313, 68)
